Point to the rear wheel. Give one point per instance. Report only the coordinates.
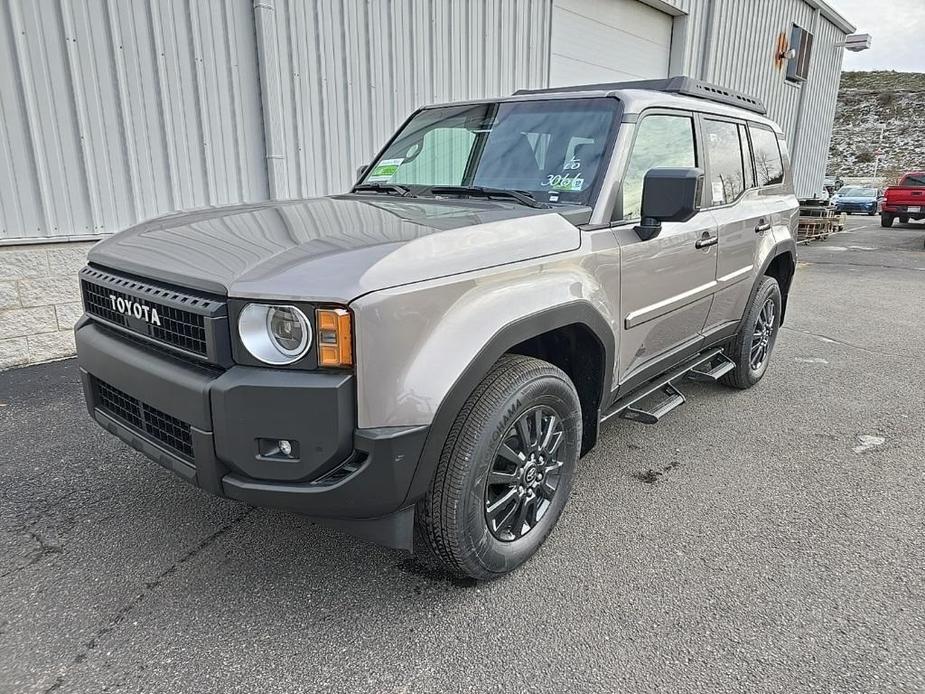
(750, 350)
(886, 219)
(505, 472)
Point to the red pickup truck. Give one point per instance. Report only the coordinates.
(904, 201)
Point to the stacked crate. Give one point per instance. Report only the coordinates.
(817, 221)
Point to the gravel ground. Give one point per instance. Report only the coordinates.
(762, 541)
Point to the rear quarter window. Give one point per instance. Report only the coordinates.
(769, 167)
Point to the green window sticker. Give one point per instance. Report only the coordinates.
(384, 171)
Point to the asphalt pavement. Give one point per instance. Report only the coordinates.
(770, 540)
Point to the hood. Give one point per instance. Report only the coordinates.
(333, 249)
(855, 198)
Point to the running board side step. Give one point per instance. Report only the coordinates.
(663, 395)
(672, 398)
(712, 370)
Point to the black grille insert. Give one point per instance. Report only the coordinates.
(170, 431)
(176, 327)
(177, 319)
(97, 302)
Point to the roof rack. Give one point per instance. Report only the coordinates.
(675, 85)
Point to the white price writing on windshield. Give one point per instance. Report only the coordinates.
(564, 182)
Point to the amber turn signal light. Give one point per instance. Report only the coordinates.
(335, 337)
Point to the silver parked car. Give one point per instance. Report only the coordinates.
(423, 360)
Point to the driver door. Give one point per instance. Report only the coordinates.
(666, 283)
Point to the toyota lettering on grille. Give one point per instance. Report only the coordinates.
(135, 308)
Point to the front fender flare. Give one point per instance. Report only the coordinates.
(577, 312)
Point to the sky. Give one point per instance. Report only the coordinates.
(898, 30)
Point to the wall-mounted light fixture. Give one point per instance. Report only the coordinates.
(856, 42)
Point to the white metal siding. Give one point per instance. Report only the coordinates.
(810, 145)
(112, 111)
(608, 41)
(734, 42)
(119, 110)
(349, 73)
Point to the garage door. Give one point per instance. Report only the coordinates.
(608, 41)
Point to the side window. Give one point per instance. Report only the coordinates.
(727, 174)
(768, 165)
(440, 159)
(661, 141)
(747, 158)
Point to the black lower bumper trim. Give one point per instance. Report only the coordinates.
(356, 478)
(375, 489)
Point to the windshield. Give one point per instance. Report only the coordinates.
(553, 150)
(858, 193)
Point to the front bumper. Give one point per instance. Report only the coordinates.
(206, 425)
(863, 207)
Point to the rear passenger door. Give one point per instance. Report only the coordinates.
(741, 218)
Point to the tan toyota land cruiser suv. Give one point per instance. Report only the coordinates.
(422, 360)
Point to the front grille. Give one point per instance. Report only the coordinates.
(97, 302)
(176, 319)
(170, 431)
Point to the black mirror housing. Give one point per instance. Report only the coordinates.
(669, 195)
(362, 170)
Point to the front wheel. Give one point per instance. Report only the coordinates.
(505, 472)
(750, 350)
(886, 220)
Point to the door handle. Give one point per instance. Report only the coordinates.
(706, 241)
(762, 227)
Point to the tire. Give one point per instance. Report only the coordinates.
(460, 521)
(886, 220)
(741, 348)
(871, 213)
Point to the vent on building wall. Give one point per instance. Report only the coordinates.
(801, 45)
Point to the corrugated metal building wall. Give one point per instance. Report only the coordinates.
(114, 111)
(119, 110)
(733, 43)
(342, 76)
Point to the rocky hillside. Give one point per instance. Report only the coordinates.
(867, 101)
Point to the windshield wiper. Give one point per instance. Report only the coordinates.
(522, 197)
(404, 191)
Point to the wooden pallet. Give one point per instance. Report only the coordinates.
(814, 228)
(818, 222)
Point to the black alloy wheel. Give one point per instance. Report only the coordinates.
(750, 350)
(763, 334)
(525, 474)
(505, 471)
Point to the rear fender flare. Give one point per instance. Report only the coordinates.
(785, 247)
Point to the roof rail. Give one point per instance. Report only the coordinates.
(675, 85)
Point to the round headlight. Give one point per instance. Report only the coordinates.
(274, 334)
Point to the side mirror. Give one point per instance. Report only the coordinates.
(669, 195)
(362, 170)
